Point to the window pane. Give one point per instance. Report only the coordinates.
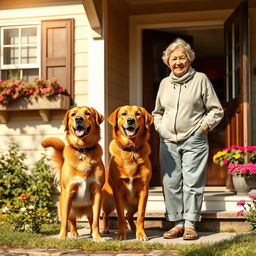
(230, 87)
(28, 35)
(237, 82)
(11, 36)
(29, 75)
(229, 40)
(28, 55)
(12, 74)
(229, 63)
(11, 55)
(236, 28)
(237, 62)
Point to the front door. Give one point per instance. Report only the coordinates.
(154, 70)
(236, 51)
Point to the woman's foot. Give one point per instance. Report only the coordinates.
(173, 233)
(190, 234)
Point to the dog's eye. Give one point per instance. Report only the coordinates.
(87, 114)
(73, 114)
(123, 114)
(137, 114)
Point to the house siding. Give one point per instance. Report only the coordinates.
(26, 128)
(252, 58)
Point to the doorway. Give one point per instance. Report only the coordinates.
(208, 44)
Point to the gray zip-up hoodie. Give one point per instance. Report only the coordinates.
(182, 108)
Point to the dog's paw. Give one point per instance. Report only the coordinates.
(74, 235)
(105, 231)
(141, 236)
(96, 237)
(121, 235)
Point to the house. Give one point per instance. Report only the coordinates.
(107, 53)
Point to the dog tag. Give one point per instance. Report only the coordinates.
(80, 157)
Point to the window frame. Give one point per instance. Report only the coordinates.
(20, 66)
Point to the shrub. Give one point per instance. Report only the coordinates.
(25, 198)
(13, 177)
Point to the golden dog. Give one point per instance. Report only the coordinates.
(127, 179)
(81, 171)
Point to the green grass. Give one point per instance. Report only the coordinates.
(242, 245)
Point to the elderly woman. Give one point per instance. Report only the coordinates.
(186, 109)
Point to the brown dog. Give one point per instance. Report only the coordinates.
(81, 171)
(129, 169)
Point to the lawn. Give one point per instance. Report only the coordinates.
(241, 245)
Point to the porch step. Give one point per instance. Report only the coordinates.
(215, 199)
(218, 211)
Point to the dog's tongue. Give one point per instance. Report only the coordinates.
(79, 133)
(130, 132)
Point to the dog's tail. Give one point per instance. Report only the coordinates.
(58, 146)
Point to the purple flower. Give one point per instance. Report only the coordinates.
(240, 213)
(241, 203)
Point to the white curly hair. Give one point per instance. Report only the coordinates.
(178, 42)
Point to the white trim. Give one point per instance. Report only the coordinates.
(199, 20)
(96, 88)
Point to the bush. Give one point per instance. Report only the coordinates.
(13, 177)
(25, 198)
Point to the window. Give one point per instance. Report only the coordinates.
(44, 50)
(20, 53)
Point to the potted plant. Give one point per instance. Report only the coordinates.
(42, 95)
(241, 164)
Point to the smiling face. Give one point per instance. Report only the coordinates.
(82, 124)
(179, 62)
(130, 124)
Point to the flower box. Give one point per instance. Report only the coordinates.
(43, 104)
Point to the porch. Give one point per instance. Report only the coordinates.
(218, 211)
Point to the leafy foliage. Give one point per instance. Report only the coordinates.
(25, 198)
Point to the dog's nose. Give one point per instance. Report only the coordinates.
(79, 119)
(130, 121)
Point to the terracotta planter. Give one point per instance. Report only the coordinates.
(240, 185)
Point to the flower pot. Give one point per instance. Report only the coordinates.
(240, 185)
(251, 182)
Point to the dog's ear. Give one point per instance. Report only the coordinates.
(148, 118)
(112, 119)
(65, 121)
(99, 118)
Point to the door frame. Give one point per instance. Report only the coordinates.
(200, 19)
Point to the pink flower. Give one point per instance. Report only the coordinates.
(31, 92)
(241, 203)
(225, 161)
(1, 98)
(240, 213)
(253, 197)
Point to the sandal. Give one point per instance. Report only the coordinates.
(190, 234)
(173, 233)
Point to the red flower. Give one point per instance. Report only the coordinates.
(240, 213)
(253, 197)
(241, 203)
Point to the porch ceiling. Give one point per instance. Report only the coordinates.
(160, 6)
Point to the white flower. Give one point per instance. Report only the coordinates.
(23, 209)
(5, 209)
(27, 226)
(31, 207)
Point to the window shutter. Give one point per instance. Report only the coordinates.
(57, 52)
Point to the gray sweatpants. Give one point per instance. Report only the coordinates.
(184, 176)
